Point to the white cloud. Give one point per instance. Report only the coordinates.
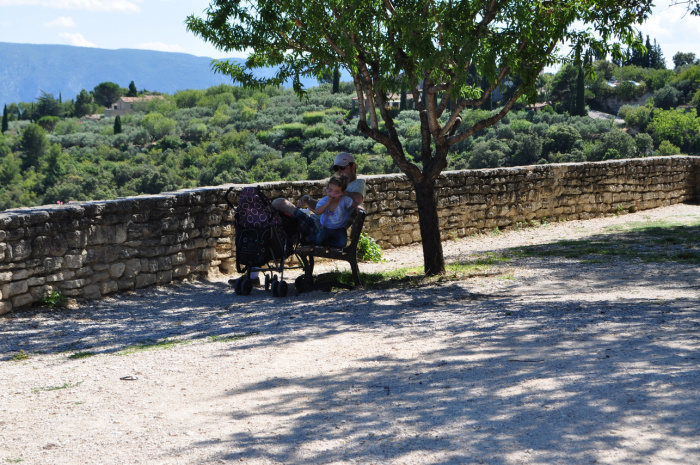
(63, 21)
(77, 39)
(674, 30)
(160, 46)
(90, 5)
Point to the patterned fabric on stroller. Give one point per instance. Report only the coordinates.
(264, 239)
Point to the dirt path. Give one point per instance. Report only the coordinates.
(545, 359)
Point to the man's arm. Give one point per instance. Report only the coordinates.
(356, 197)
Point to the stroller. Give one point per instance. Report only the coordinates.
(265, 238)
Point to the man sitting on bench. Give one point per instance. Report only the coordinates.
(344, 165)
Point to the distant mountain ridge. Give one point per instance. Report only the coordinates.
(28, 69)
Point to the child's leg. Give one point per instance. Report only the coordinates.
(335, 237)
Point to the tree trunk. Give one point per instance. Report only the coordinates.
(433, 259)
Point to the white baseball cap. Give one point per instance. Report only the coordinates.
(343, 159)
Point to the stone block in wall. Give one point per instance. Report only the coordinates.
(116, 270)
(20, 250)
(178, 259)
(5, 307)
(208, 254)
(92, 291)
(22, 300)
(165, 263)
(125, 284)
(164, 277)
(36, 281)
(108, 287)
(73, 284)
(132, 268)
(99, 277)
(74, 261)
(38, 293)
(181, 271)
(14, 288)
(145, 280)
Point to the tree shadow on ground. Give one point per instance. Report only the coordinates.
(505, 386)
(574, 369)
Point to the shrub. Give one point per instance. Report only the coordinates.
(368, 250)
(291, 129)
(317, 130)
(667, 97)
(562, 139)
(667, 148)
(644, 144)
(313, 117)
(615, 144)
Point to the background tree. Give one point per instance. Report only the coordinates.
(656, 57)
(34, 145)
(47, 105)
(48, 122)
(682, 59)
(427, 47)
(580, 104)
(693, 6)
(5, 122)
(83, 104)
(117, 125)
(132, 90)
(563, 89)
(106, 93)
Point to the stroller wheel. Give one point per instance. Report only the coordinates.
(300, 283)
(282, 288)
(247, 286)
(267, 282)
(239, 285)
(275, 288)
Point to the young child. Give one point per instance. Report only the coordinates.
(334, 211)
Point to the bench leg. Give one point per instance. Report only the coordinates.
(307, 263)
(355, 272)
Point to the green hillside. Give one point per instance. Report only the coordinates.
(227, 134)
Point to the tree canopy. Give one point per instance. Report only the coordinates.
(106, 93)
(432, 49)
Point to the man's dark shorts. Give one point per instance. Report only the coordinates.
(308, 225)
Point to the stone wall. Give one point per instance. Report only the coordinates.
(90, 249)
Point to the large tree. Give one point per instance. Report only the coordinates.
(106, 93)
(424, 46)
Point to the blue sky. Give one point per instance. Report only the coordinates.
(159, 25)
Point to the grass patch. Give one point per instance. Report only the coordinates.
(79, 355)
(21, 355)
(652, 241)
(56, 388)
(153, 345)
(415, 276)
(232, 338)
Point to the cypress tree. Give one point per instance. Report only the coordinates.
(580, 104)
(117, 125)
(132, 90)
(336, 80)
(5, 124)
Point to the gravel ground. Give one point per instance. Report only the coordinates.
(535, 361)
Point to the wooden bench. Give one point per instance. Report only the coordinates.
(307, 253)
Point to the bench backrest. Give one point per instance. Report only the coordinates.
(356, 228)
